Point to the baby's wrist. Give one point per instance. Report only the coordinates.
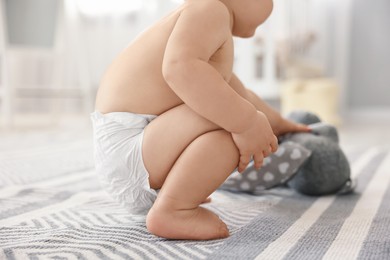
(247, 121)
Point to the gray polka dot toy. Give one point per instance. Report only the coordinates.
(277, 169)
(311, 163)
(327, 170)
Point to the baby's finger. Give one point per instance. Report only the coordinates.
(302, 128)
(274, 144)
(244, 161)
(267, 152)
(258, 159)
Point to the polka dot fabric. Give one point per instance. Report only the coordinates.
(277, 169)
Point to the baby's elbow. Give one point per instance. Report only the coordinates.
(180, 70)
(171, 70)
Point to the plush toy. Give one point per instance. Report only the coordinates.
(311, 163)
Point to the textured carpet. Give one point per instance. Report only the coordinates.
(51, 207)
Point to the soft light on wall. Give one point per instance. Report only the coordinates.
(104, 7)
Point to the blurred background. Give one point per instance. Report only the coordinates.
(330, 57)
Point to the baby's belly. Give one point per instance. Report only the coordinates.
(153, 104)
(153, 100)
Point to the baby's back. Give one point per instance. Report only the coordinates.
(134, 81)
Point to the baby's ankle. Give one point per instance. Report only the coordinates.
(160, 218)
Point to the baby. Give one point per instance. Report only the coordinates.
(171, 116)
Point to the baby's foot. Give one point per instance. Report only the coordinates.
(198, 224)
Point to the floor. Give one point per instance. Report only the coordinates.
(60, 198)
(355, 134)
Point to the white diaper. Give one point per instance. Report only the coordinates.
(118, 159)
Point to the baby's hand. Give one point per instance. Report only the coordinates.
(257, 141)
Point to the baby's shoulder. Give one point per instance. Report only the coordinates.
(213, 8)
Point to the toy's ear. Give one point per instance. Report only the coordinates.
(303, 117)
(326, 130)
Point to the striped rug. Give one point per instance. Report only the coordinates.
(52, 207)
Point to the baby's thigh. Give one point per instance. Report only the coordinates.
(167, 136)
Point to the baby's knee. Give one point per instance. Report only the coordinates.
(222, 147)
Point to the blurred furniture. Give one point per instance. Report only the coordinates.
(5, 93)
(319, 95)
(34, 47)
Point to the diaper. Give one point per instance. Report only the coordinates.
(118, 159)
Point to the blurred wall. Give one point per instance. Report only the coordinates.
(369, 72)
(369, 60)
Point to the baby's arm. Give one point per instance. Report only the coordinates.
(197, 35)
(202, 28)
(279, 124)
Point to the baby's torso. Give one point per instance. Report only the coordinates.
(134, 81)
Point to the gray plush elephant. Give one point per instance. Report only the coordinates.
(310, 163)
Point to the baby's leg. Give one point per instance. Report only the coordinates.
(200, 167)
(199, 171)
